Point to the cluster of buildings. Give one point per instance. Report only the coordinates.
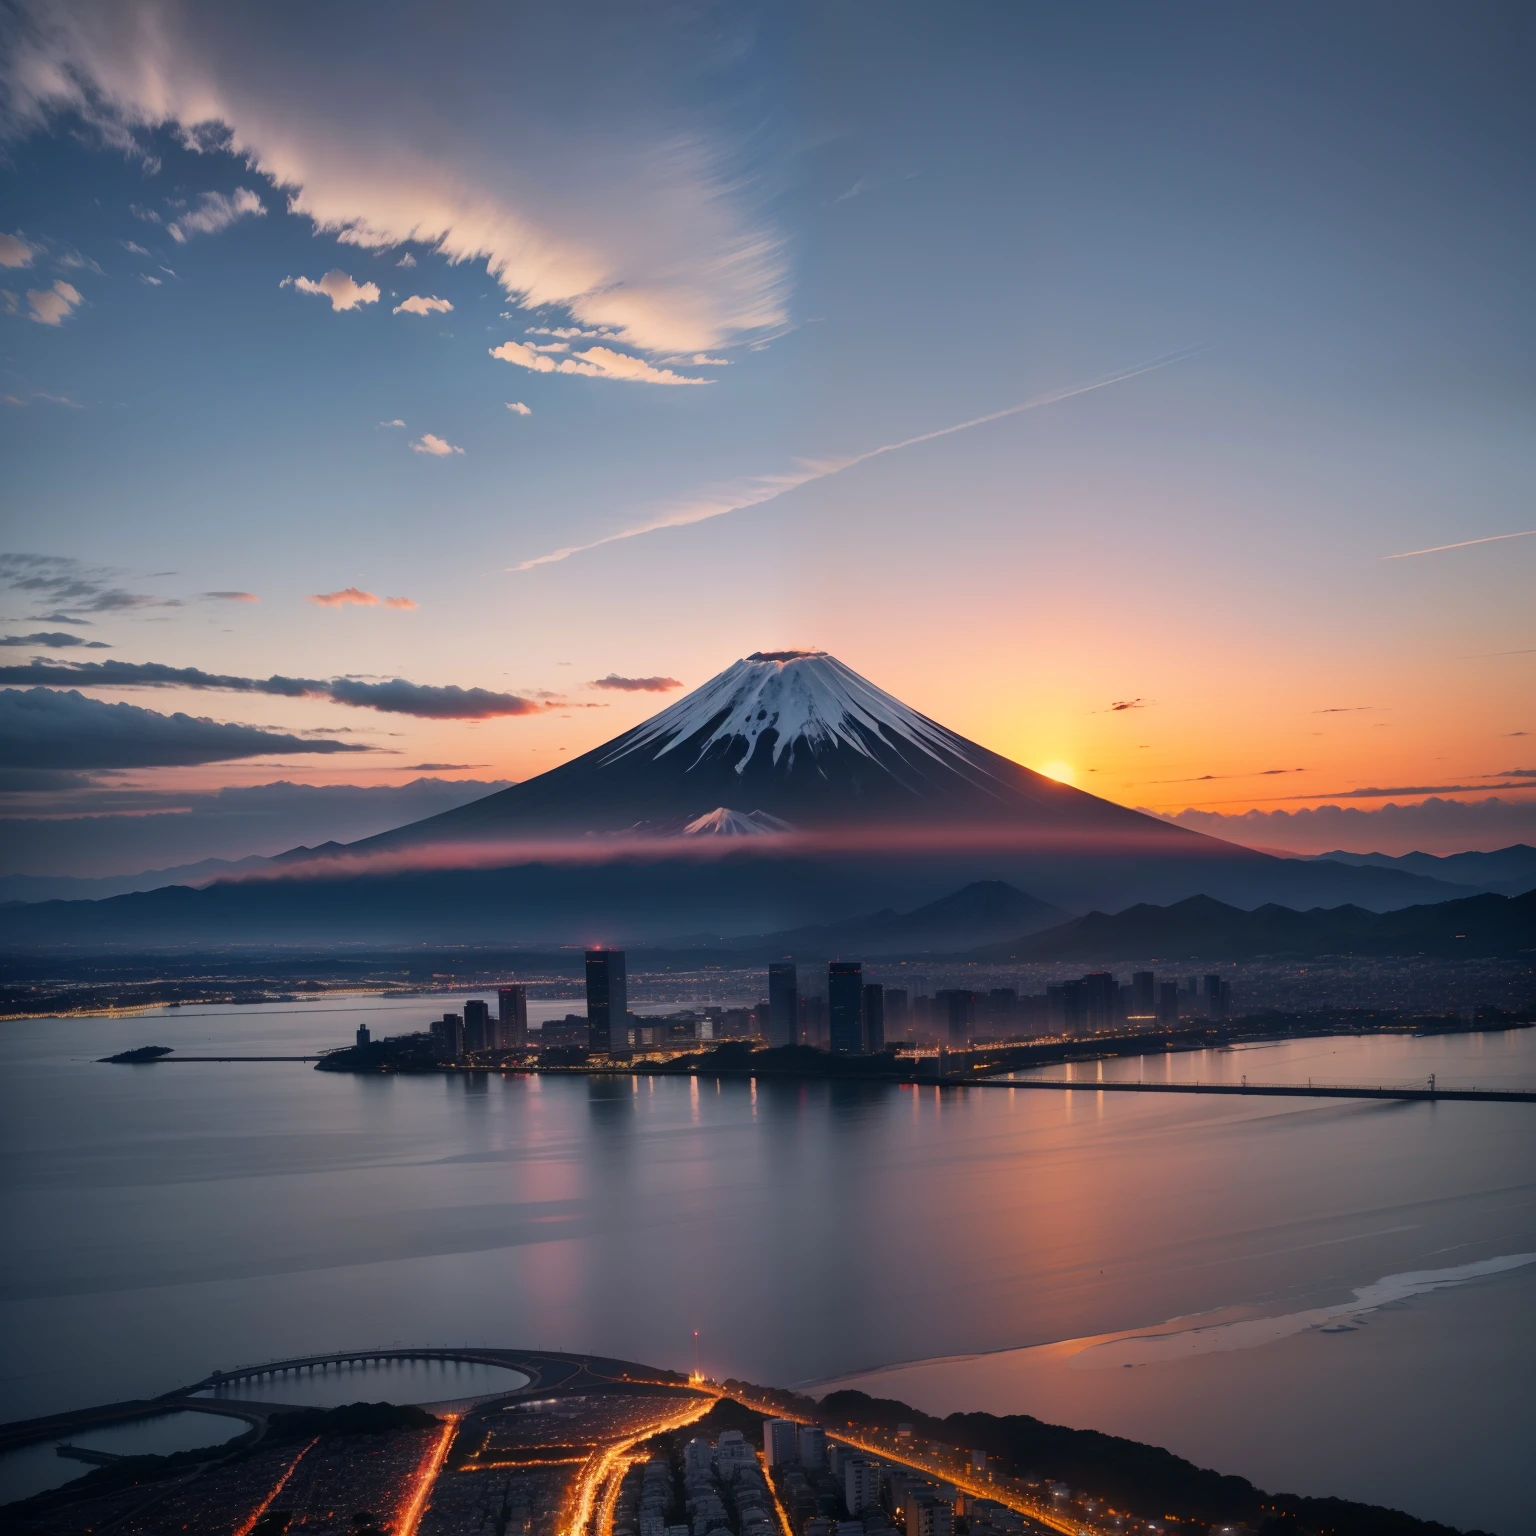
(833, 1490)
(847, 1016)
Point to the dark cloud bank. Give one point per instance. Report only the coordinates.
(395, 696)
(43, 731)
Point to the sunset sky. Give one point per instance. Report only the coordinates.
(348, 347)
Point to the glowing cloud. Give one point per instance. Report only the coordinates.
(417, 304)
(594, 363)
(437, 447)
(15, 252)
(51, 306)
(340, 289)
(355, 597)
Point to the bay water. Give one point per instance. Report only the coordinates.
(1326, 1296)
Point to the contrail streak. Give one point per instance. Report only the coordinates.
(758, 489)
(1434, 549)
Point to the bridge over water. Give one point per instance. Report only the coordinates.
(1428, 1091)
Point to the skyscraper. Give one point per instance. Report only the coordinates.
(1168, 1003)
(477, 1025)
(448, 1037)
(607, 1002)
(874, 1018)
(1103, 1000)
(1143, 993)
(1213, 998)
(512, 1017)
(897, 1015)
(845, 1007)
(783, 1003)
(957, 1014)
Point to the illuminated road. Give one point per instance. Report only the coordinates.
(1028, 1507)
(282, 1482)
(597, 1487)
(427, 1476)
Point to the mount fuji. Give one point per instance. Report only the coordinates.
(787, 791)
(798, 741)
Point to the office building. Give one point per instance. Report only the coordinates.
(477, 1025)
(448, 1037)
(607, 1002)
(1002, 1011)
(1168, 1003)
(1217, 995)
(783, 1004)
(813, 1022)
(779, 1447)
(898, 1016)
(861, 1486)
(957, 1014)
(1143, 998)
(845, 1007)
(813, 1447)
(363, 1037)
(929, 1515)
(1103, 999)
(511, 1017)
(874, 1021)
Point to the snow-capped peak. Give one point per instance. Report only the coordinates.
(801, 695)
(724, 822)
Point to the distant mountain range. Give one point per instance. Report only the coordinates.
(204, 872)
(984, 910)
(786, 793)
(1509, 871)
(1202, 929)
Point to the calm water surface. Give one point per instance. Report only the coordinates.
(170, 1219)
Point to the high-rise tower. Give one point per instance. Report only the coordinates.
(783, 1003)
(845, 1007)
(607, 1002)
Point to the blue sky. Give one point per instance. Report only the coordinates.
(875, 222)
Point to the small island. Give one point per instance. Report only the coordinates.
(138, 1054)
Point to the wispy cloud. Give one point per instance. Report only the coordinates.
(338, 287)
(437, 447)
(594, 363)
(760, 489)
(215, 212)
(420, 304)
(601, 210)
(356, 597)
(73, 586)
(232, 597)
(518, 408)
(1435, 549)
(636, 684)
(394, 696)
(395, 423)
(51, 306)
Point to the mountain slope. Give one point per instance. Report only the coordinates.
(795, 735)
(787, 791)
